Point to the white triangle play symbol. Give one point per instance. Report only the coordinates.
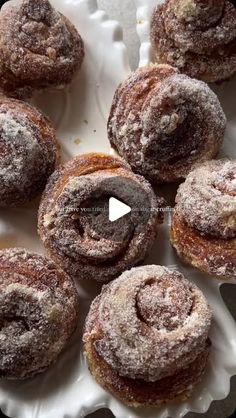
(117, 209)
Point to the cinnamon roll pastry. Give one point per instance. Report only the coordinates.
(28, 152)
(146, 336)
(39, 48)
(38, 313)
(74, 217)
(197, 36)
(204, 221)
(163, 122)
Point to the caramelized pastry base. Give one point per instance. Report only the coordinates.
(211, 255)
(138, 393)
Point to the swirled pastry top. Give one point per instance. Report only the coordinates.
(39, 47)
(38, 312)
(74, 217)
(162, 122)
(206, 201)
(200, 25)
(28, 152)
(151, 322)
(197, 36)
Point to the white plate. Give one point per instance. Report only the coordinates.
(216, 384)
(67, 390)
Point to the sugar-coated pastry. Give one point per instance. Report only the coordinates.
(163, 122)
(28, 152)
(146, 336)
(197, 36)
(74, 216)
(38, 313)
(204, 221)
(39, 48)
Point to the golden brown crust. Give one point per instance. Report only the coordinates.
(146, 336)
(196, 36)
(28, 152)
(137, 393)
(73, 217)
(39, 48)
(216, 257)
(39, 312)
(163, 122)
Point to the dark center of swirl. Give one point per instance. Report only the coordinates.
(94, 221)
(20, 314)
(173, 122)
(15, 325)
(165, 305)
(171, 147)
(84, 215)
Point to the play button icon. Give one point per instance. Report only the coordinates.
(114, 210)
(117, 209)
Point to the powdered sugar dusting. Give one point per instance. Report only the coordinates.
(39, 308)
(149, 334)
(211, 190)
(196, 36)
(162, 122)
(28, 152)
(39, 48)
(19, 144)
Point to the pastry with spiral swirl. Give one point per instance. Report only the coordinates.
(74, 220)
(38, 313)
(146, 336)
(197, 36)
(163, 122)
(28, 152)
(204, 222)
(39, 48)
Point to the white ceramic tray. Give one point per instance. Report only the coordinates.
(67, 389)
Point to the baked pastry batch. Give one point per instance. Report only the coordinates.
(146, 337)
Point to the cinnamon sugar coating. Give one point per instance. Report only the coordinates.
(39, 48)
(163, 122)
(39, 310)
(74, 223)
(28, 152)
(204, 221)
(148, 329)
(198, 37)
